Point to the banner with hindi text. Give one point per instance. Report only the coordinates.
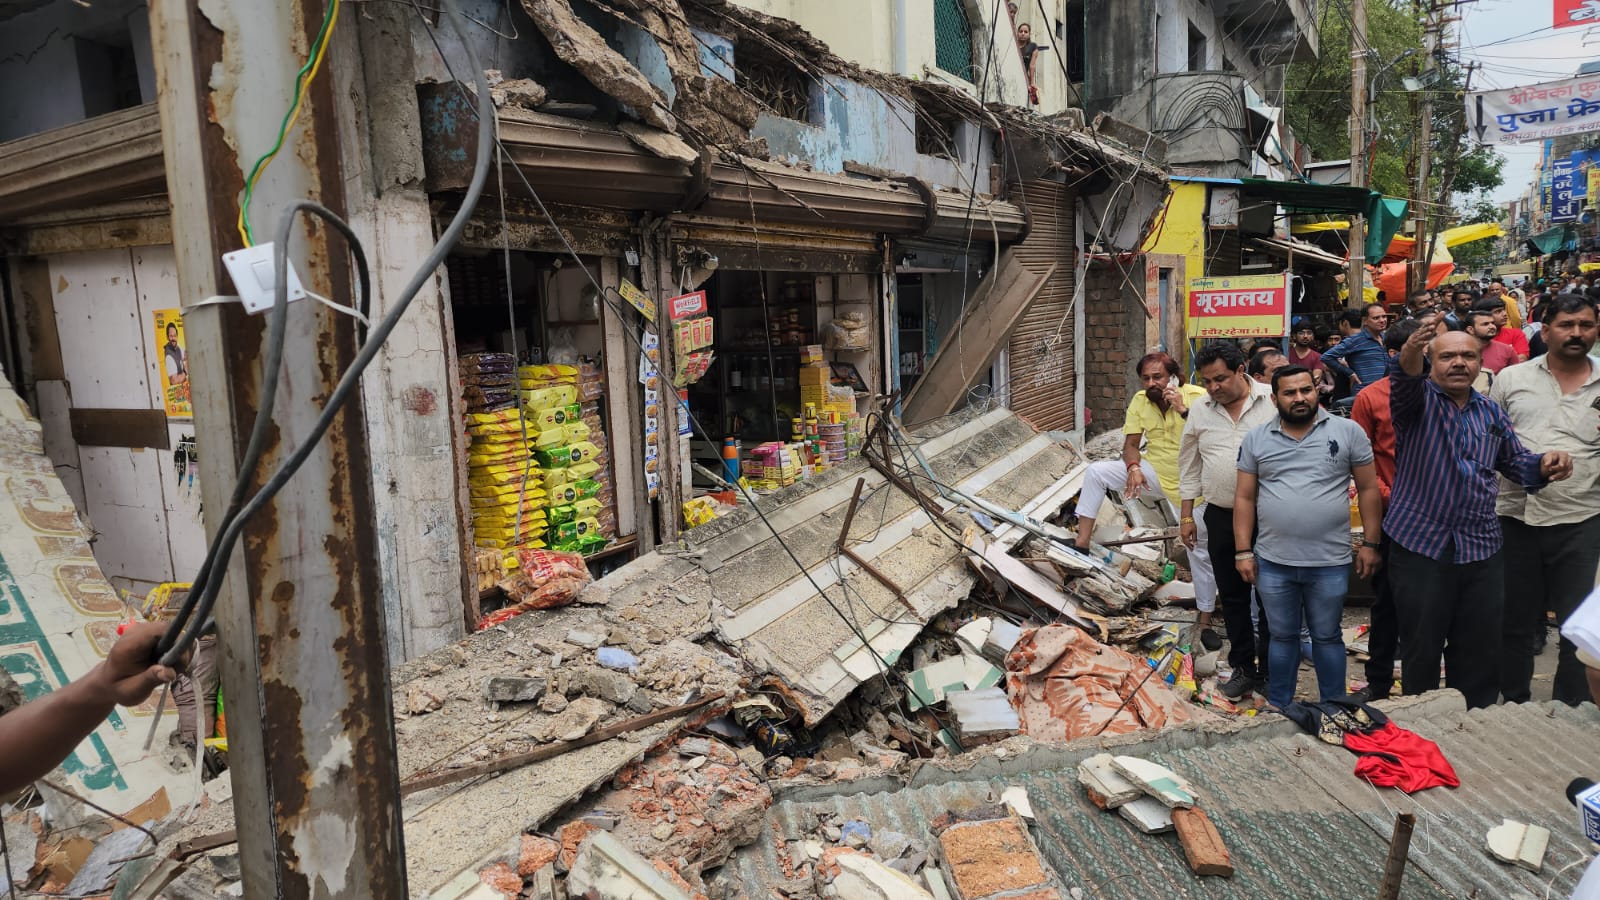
(1535, 112)
(1238, 306)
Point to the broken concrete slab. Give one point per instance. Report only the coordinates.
(863, 877)
(1002, 637)
(770, 612)
(929, 684)
(1016, 799)
(586, 50)
(1518, 844)
(1147, 814)
(612, 687)
(982, 716)
(575, 721)
(1202, 843)
(608, 869)
(512, 689)
(587, 638)
(1156, 780)
(1098, 774)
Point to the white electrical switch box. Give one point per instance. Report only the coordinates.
(252, 273)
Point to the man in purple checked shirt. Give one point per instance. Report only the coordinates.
(1445, 564)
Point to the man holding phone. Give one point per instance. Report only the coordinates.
(1151, 433)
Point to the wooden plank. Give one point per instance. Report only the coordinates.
(132, 428)
(997, 303)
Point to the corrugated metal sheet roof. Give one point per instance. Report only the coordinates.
(1296, 820)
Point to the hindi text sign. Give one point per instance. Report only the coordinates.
(1535, 112)
(1239, 306)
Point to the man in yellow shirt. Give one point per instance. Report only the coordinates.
(1152, 431)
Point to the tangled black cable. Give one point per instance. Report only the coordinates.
(194, 616)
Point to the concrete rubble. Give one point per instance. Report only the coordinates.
(633, 740)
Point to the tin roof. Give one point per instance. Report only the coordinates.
(1296, 820)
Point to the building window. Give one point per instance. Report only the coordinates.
(1069, 36)
(1197, 49)
(936, 133)
(952, 38)
(776, 83)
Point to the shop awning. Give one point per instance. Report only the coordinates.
(1552, 240)
(1383, 214)
(1403, 247)
(1298, 251)
(599, 167)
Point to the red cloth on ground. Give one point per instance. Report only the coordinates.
(1394, 757)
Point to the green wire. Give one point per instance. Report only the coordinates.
(283, 127)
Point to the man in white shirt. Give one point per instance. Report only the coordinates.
(1208, 456)
(1552, 537)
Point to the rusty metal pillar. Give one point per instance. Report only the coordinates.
(300, 618)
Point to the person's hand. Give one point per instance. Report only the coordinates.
(130, 671)
(1136, 483)
(1355, 379)
(1425, 334)
(1174, 398)
(1189, 534)
(1368, 560)
(1555, 465)
(1247, 569)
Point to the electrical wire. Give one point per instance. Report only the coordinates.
(194, 616)
(302, 80)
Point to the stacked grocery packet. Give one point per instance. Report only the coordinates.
(567, 434)
(500, 467)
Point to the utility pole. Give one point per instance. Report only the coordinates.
(300, 620)
(1356, 279)
(1421, 252)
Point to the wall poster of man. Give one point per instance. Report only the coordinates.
(174, 363)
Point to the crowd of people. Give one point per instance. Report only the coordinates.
(1462, 427)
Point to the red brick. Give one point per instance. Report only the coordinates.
(500, 877)
(571, 836)
(1202, 844)
(537, 852)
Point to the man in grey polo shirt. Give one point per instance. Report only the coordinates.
(1294, 477)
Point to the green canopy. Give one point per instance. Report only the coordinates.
(1383, 214)
(1549, 241)
(1382, 225)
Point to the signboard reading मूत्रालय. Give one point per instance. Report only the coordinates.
(1238, 306)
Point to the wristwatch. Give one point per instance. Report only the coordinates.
(1373, 544)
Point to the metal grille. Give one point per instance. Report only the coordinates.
(952, 38)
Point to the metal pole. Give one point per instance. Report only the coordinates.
(1394, 867)
(1422, 260)
(1356, 278)
(300, 620)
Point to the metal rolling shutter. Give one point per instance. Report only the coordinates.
(1043, 379)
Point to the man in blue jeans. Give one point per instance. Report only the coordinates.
(1293, 492)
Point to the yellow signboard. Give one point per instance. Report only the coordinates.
(1594, 187)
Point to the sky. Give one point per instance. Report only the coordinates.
(1515, 45)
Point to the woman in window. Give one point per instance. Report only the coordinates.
(1029, 51)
